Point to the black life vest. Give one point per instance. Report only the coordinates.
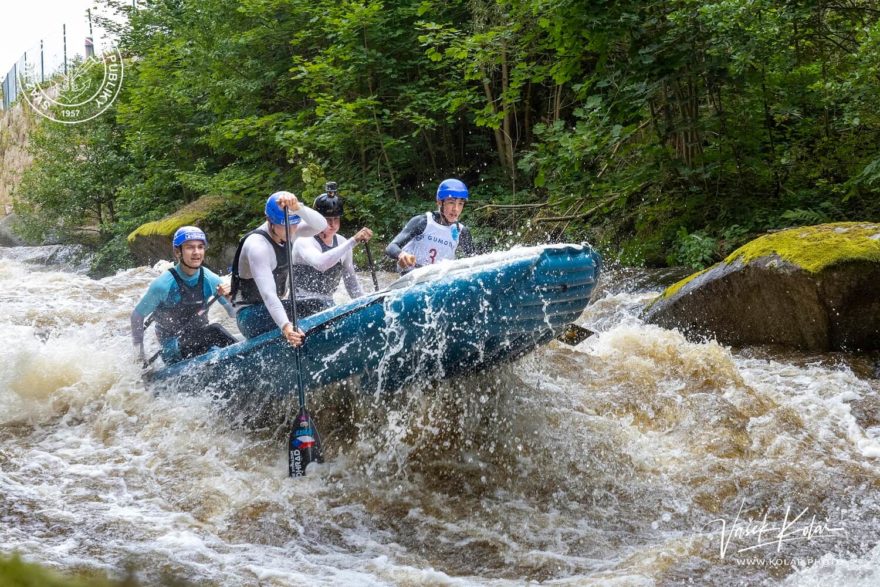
(171, 317)
(245, 291)
(312, 283)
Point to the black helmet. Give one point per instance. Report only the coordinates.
(331, 188)
(329, 206)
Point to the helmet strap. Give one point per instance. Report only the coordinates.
(275, 237)
(184, 263)
(443, 213)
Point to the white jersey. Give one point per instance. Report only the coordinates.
(436, 243)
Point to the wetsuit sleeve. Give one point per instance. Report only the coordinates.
(466, 243)
(413, 228)
(352, 285)
(308, 252)
(230, 309)
(312, 223)
(260, 257)
(156, 294)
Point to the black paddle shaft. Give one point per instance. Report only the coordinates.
(304, 443)
(180, 330)
(294, 319)
(372, 265)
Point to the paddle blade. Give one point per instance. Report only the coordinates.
(304, 445)
(574, 334)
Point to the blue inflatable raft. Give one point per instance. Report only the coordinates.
(448, 319)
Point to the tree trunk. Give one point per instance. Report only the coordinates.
(557, 103)
(506, 120)
(499, 139)
(768, 123)
(385, 156)
(430, 148)
(527, 122)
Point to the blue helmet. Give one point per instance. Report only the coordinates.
(275, 213)
(452, 188)
(188, 233)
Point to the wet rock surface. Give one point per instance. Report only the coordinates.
(814, 288)
(8, 238)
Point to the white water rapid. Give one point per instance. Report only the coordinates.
(636, 458)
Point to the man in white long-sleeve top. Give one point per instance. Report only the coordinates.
(319, 262)
(260, 268)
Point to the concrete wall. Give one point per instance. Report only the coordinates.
(15, 124)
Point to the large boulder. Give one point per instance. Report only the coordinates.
(151, 242)
(812, 288)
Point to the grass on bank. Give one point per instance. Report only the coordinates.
(15, 572)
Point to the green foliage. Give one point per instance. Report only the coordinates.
(803, 217)
(732, 237)
(71, 192)
(112, 256)
(695, 250)
(673, 131)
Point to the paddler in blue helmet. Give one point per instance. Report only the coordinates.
(434, 236)
(178, 299)
(260, 267)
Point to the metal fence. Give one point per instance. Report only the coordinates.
(41, 63)
(31, 66)
(10, 87)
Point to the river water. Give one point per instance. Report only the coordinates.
(634, 458)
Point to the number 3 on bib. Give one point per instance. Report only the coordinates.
(432, 253)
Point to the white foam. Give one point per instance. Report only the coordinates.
(589, 465)
(852, 571)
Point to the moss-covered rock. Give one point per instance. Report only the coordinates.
(151, 242)
(814, 248)
(815, 288)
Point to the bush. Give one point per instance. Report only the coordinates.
(695, 250)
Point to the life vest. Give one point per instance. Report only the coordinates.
(245, 291)
(312, 283)
(436, 243)
(171, 317)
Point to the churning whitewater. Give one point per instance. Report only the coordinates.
(634, 458)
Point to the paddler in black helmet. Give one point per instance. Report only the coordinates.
(320, 261)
